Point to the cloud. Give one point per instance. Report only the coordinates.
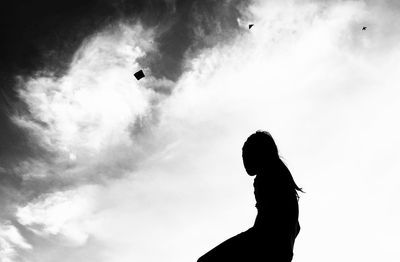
(65, 214)
(83, 117)
(10, 242)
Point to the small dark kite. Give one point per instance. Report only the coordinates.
(139, 74)
(364, 28)
(250, 26)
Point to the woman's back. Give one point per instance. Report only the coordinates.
(276, 223)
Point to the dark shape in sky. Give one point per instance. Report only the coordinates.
(250, 26)
(139, 74)
(364, 28)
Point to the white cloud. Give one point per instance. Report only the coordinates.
(10, 241)
(92, 107)
(65, 214)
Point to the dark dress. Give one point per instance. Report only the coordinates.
(275, 229)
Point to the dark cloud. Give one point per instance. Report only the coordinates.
(45, 34)
(194, 25)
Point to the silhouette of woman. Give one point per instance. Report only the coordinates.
(276, 226)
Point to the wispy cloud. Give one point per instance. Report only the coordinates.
(10, 242)
(64, 214)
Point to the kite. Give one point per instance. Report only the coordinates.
(139, 74)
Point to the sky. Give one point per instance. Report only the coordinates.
(97, 166)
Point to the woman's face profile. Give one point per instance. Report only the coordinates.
(258, 150)
(250, 163)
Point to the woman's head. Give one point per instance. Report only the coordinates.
(261, 157)
(258, 152)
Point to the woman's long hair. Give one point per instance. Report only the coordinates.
(264, 151)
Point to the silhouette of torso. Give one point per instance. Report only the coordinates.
(276, 225)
